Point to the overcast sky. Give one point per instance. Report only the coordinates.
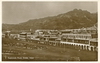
(18, 12)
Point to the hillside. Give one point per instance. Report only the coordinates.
(72, 19)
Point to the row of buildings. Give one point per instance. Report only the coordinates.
(82, 39)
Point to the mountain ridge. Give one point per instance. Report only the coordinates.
(70, 20)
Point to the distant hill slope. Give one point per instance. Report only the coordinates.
(72, 19)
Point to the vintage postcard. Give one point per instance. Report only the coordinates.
(50, 31)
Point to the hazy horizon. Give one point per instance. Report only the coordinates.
(18, 12)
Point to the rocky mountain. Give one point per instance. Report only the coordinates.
(76, 18)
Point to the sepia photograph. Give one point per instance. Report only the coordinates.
(49, 31)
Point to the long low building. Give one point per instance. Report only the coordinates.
(83, 39)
